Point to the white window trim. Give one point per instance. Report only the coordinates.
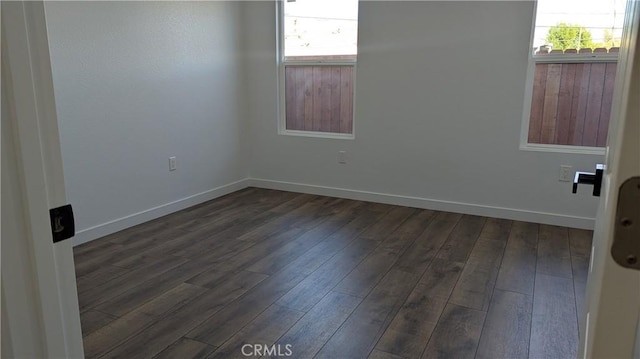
(528, 95)
(281, 108)
(574, 58)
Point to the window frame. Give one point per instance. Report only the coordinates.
(282, 63)
(534, 59)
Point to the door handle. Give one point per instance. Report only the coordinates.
(591, 178)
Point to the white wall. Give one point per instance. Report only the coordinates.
(136, 83)
(440, 88)
(439, 100)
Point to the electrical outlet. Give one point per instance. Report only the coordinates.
(172, 163)
(566, 173)
(342, 157)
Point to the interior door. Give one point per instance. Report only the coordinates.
(43, 285)
(613, 291)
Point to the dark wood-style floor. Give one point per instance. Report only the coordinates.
(332, 278)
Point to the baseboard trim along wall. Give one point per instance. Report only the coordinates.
(101, 230)
(95, 232)
(439, 205)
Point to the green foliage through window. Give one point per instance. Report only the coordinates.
(568, 36)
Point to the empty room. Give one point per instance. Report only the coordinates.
(321, 179)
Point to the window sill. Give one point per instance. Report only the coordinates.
(583, 150)
(329, 135)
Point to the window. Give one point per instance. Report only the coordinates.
(318, 52)
(573, 66)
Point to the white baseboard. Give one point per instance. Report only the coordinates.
(101, 230)
(95, 232)
(434, 204)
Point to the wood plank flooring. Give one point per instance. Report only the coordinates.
(331, 278)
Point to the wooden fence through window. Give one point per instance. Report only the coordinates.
(319, 98)
(571, 103)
